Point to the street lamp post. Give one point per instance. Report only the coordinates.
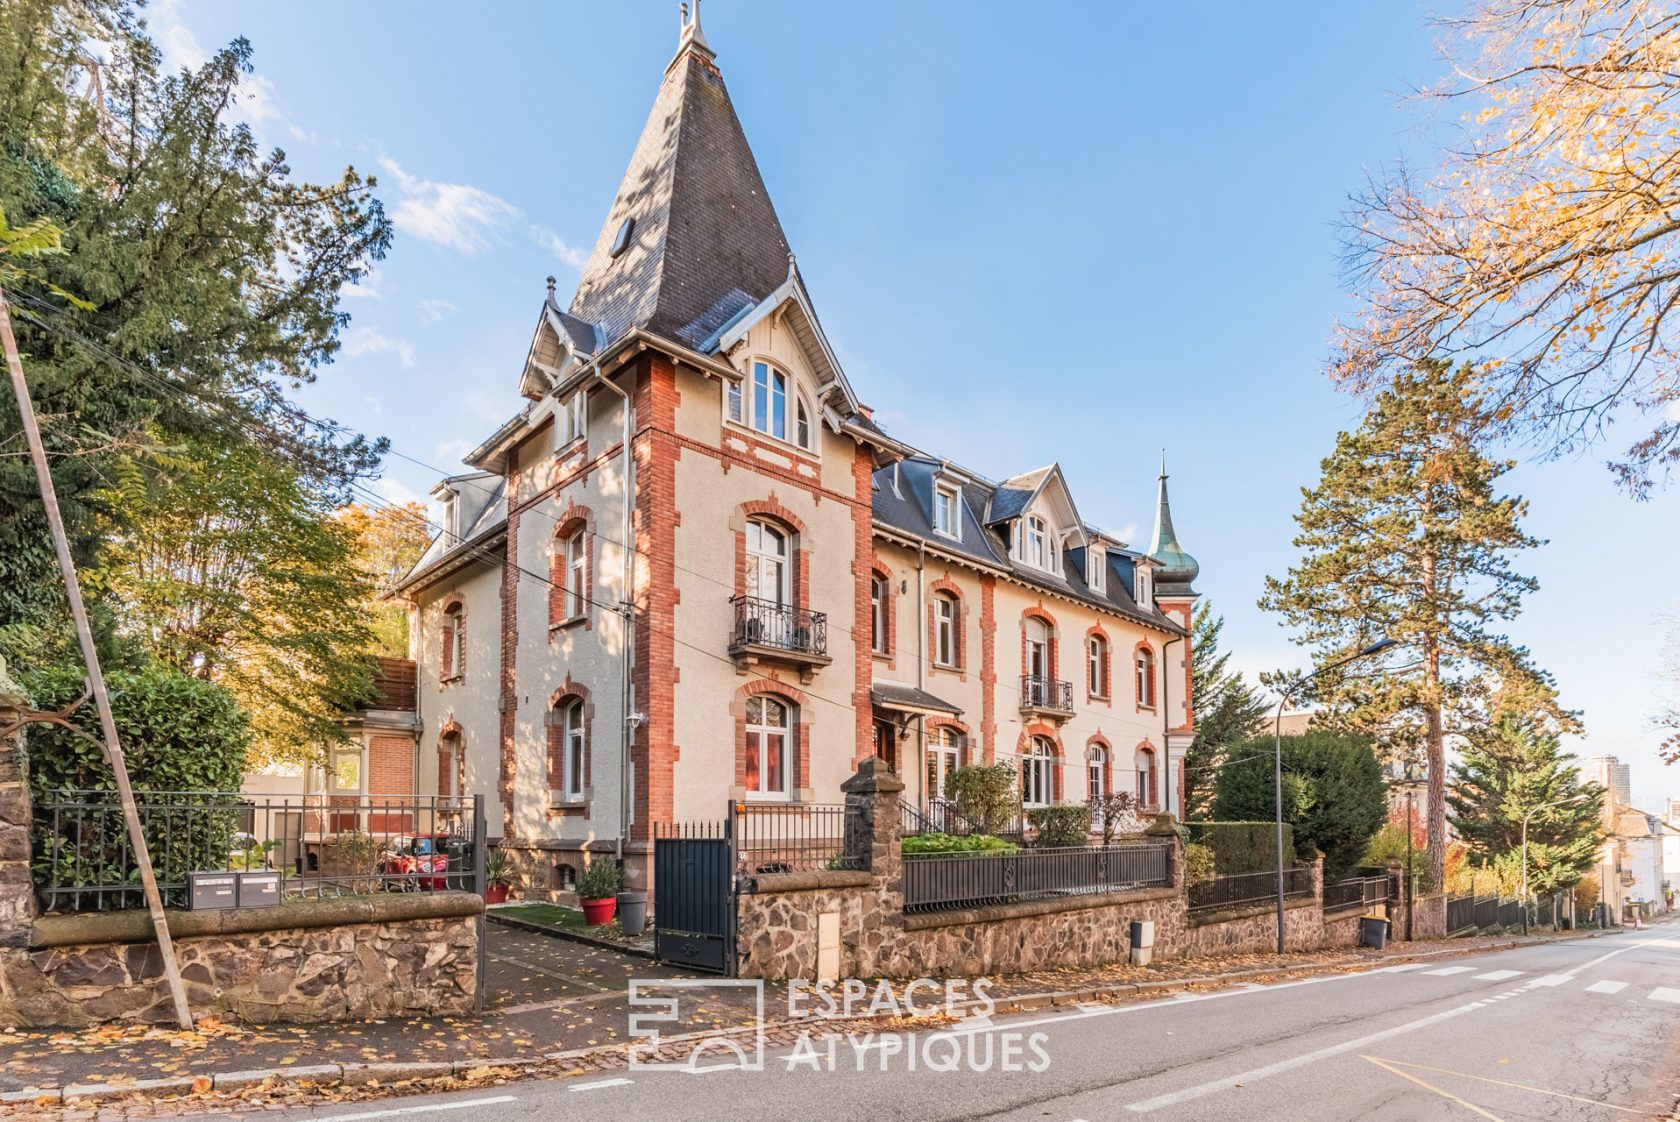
(1277, 760)
(1526, 817)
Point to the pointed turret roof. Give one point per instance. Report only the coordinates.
(1178, 569)
(703, 242)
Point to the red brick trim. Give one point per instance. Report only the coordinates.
(567, 693)
(988, 667)
(1058, 762)
(1093, 743)
(1039, 612)
(965, 750)
(509, 693)
(799, 730)
(889, 613)
(1153, 679)
(452, 729)
(656, 450)
(1106, 694)
(570, 521)
(799, 553)
(960, 639)
(863, 548)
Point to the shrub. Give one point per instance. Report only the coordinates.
(1243, 847)
(1333, 793)
(923, 844)
(1198, 863)
(1062, 826)
(989, 796)
(1116, 811)
(599, 880)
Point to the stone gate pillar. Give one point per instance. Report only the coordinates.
(872, 819)
(17, 894)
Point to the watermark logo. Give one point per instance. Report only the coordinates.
(696, 1024)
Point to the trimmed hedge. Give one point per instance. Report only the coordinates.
(1243, 847)
(923, 844)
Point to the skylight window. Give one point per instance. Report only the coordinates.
(621, 240)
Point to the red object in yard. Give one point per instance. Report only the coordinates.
(496, 893)
(597, 912)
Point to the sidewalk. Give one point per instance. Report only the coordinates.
(228, 1067)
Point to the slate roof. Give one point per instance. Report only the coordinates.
(482, 512)
(906, 698)
(906, 509)
(706, 243)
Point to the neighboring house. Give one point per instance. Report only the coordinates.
(803, 590)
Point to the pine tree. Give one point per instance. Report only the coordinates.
(1227, 710)
(1508, 770)
(1406, 536)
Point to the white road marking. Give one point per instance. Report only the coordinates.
(1401, 969)
(1552, 980)
(393, 1112)
(1664, 993)
(1173, 1098)
(1443, 971)
(1498, 975)
(1607, 987)
(599, 1084)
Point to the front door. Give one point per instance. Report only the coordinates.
(886, 742)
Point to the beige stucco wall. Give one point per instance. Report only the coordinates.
(471, 701)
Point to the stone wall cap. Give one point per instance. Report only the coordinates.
(809, 881)
(873, 777)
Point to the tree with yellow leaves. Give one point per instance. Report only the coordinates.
(1545, 249)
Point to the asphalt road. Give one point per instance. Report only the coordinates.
(1585, 1029)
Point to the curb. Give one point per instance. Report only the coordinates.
(1024, 1003)
(566, 933)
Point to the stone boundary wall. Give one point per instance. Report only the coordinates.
(349, 958)
(853, 924)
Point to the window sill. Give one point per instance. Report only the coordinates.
(880, 656)
(567, 624)
(574, 445)
(451, 680)
(947, 667)
(1146, 709)
(561, 809)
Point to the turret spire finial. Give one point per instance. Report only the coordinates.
(1178, 568)
(691, 36)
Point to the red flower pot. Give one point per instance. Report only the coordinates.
(496, 893)
(597, 912)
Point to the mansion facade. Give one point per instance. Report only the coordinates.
(693, 572)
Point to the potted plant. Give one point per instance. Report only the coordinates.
(496, 883)
(597, 891)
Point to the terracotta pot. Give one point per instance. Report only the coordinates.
(496, 894)
(597, 912)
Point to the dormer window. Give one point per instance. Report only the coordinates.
(1144, 598)
(947, 512)
(571, 420)
(1035, 545)
(769, 403)
(1096, 569)
(451, 519)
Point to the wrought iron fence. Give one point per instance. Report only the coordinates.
(321, 845)
(1356, 892)
(1470, 912)
(765, 623)
(1461, 913)
(940, 816)
(937, 881)
(1233, 890)
(792, 837)
(1046, 693)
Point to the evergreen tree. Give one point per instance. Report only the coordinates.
(1508, 770)
(1406, 536)
(1227, 711)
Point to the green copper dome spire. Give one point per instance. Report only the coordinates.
(1178, 569)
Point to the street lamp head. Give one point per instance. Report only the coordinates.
(1379, 647)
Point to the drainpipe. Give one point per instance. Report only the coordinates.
(921, 662)
(1166, 723)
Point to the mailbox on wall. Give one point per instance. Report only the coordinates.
(212, 890)
(259, 889)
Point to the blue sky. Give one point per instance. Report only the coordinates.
(1074, 232)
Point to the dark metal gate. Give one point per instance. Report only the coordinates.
(694, 895)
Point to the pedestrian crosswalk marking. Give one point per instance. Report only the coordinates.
(1445, 970)
(1665, 993)
(1403, 967)
(1550, 980)
(1497, 975)
(1607, 987)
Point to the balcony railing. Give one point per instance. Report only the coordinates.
(765, 625)
(1050, 694)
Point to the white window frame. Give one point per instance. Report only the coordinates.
(878, 593)
(947, 511)
(1148, 778)
(1036, 543)
(766, 733)
(770, 386)
(571, 750)
(577, 575)
(1096, 661)
(804, 424)
(734, 407)
(946, 614)
(451, 519)
(1038, 785)
(762, 564)
(1145, 675)
(1143, 582)
(1096, 776)
(1096, 569)
(455, 620)
(575, 414)
(943, 755)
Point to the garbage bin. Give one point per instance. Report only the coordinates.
(1373, 932)
(632, 912)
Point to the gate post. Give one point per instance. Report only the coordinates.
(872, 820)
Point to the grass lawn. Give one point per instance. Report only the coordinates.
(557, 915)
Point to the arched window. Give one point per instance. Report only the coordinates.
(767, 563)
(452, 642)
(1035, 549)
(1037, 689)
(449, 765)
(577, 575)
(1037, 779)
(567, 750)
(1096, 774)
(878, 601)
(769, 400)
(768, 762)
(1097, 666)
(946, 649)
(1145, 678)
(944, 755)
(1148, 780)
(802, 428)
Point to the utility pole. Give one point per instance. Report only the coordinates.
(96, 678)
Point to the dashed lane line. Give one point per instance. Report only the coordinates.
(600, 1084)
(1499, 975)
(1444, 971)
(458, 1104)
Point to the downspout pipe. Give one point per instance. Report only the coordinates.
(1166, 723)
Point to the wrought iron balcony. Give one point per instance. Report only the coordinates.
(1050, 696)
(766, 630)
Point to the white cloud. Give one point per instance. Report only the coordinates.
(454, 215)
(572, 255)
(370, 340)
(255, 103)
(436, 311)
(375, 406)
(395, 492)
(452, 451)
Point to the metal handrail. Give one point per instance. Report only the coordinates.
(766, 623)
(1038, 692)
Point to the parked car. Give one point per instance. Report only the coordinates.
(418, 862)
